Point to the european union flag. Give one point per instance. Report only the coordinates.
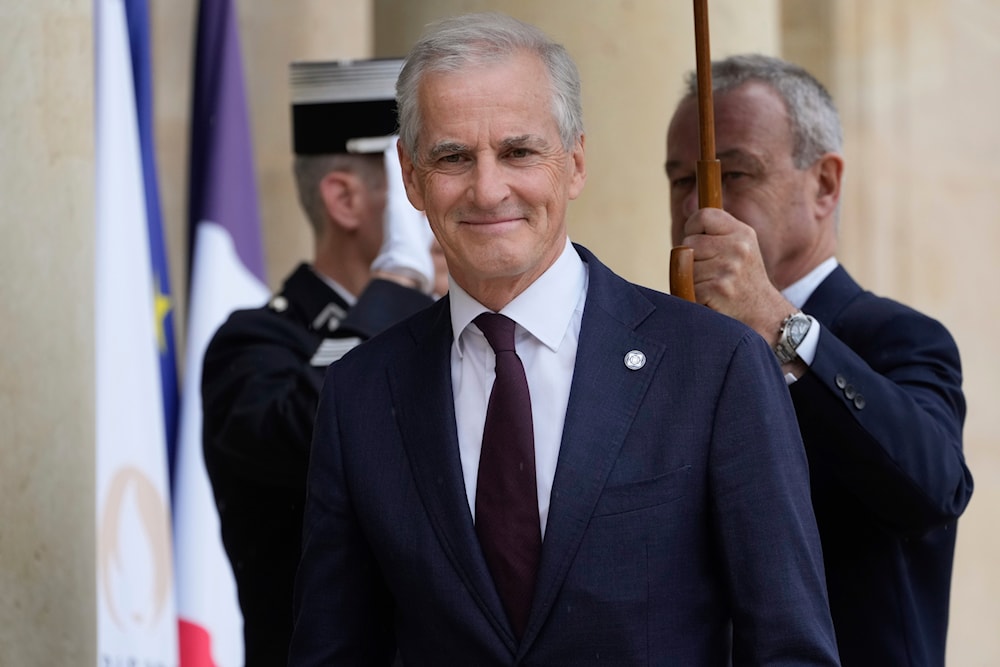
(137, 18)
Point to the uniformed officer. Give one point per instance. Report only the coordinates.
(264, 367)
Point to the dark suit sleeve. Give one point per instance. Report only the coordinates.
(765, 527)
(259, 395)
(342, 610)
(881, 411)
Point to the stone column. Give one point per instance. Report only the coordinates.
(47, 543)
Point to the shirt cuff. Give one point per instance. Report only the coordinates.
(806, 350)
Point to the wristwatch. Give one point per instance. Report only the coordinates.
(793, 331)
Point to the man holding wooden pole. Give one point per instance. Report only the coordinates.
(876, 385)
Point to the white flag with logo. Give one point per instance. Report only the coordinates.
(136, 615)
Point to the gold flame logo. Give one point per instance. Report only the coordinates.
(135, 575)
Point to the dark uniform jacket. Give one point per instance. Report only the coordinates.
(262, 375)
(881, 414)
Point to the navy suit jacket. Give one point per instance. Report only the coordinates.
(679, 513)
(881, 414)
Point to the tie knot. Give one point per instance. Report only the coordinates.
(498, 329)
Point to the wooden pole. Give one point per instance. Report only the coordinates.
(709, 169)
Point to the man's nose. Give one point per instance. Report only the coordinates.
(488, 187)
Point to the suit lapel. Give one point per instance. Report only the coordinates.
(595, 426)
(831, 296)
(421, 394)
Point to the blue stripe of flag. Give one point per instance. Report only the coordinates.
(137, 17)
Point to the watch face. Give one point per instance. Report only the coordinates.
(797, 329)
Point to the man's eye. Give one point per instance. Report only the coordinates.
(519, 153)
(682, 182)
(733, 175)
(452, 159)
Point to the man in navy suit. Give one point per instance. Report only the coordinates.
(876, 385)
(670, 492)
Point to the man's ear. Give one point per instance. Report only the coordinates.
(579, 176)
(340, 191)
(410, 181)
(829, 172)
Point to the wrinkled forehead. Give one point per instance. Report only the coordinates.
(683, 134)
(750, 114)
(513, 91)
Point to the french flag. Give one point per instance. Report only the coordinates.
(226, 273)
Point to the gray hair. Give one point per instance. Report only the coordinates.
(310, 170)
(482, 39)
(812, 115)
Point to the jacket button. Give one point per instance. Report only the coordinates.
(859, 402)
(279, 304)
(841, 381)
(850, 392)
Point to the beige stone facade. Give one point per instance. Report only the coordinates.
(914, 80)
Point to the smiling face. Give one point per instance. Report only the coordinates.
(761, 186)
(492, 175)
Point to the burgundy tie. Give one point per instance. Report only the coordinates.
(507, 520)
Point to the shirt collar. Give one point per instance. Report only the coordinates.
(544, 309)
(800, 291)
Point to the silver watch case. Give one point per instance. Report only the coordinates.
(793, 331)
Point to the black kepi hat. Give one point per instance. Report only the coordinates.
(343, 106)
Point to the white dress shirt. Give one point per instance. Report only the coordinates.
(548, 316)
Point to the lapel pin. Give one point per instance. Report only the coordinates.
(635, 360)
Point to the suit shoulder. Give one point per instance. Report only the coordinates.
(842, 304)
(696, 342)
(874, 306)
(691, 318)
(869, 317)
(660, 316)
